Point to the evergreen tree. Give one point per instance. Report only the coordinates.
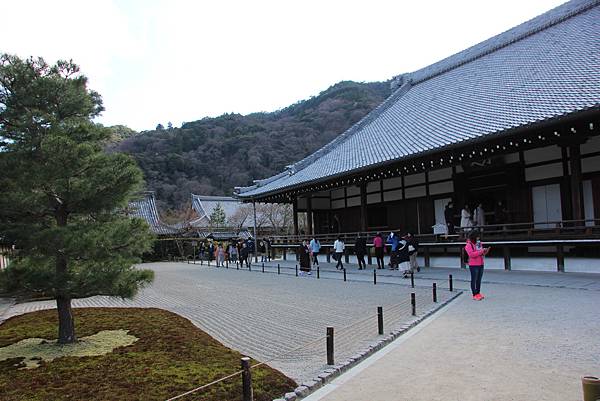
(217, 218)
(61, 193)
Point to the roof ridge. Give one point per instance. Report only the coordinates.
(538, 25)
(214, 197)
(325, 149)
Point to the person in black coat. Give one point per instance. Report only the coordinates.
(244, 253)
(360, 248)
(304, 256)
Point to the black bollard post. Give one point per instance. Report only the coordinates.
(278, 269)
(227, 264)
(318, 272)
(374, 276)
(434, 292)
(412, 279)
(330, 346)
(237, 265)
(263, 267)
(201, 262)
(296, 270)
(249, 265)
(246, 380)
(450, 282)
(344, 274)
(413, 303)
(380, 320)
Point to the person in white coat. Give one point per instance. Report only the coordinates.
(338, 248)
(479, 216)
(466, 218)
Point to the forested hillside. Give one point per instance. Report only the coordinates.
(213, 155)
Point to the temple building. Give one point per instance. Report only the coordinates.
(512, 123)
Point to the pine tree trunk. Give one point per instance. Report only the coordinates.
(66, 323)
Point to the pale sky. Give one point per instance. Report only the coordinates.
(157, 61)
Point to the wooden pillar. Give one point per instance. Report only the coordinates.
(369, 256)
(363, 207)
(295, 215)
(309, 215)
(575, 158)
(560, 258)
(507, 265)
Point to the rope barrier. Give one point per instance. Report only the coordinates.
(205, 386)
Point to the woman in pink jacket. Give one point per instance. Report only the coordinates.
(476, 252)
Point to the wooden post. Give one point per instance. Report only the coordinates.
(247, 394)
(434, 292)
(380, 320)
(309, 216)
(462, 258)
(506, 250)
(413, 303)
(575, 157)
(330, 346)
(255, 236)
(284, 253)
(363, 207)
(295, 215)
(560, 258)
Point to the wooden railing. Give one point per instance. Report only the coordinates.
(565, 229)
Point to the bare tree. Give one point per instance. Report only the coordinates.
(242, 217)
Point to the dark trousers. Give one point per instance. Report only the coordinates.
(361, 260)
(379, 257)
(339, 256)
(476, 275)
(244, 259)
(315, 258)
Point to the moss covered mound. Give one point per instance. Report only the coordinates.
(34, 350)
(170, 356)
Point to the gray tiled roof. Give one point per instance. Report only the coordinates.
(543, 69)
(145, 208)
(205, 205)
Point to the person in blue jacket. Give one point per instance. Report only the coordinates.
(315, 248)
(393, 239)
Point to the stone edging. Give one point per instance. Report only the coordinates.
(5, 312)
(331, 373)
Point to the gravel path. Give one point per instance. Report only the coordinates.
(267, 315)
(520, 343)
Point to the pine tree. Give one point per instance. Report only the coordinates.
(62, 193)
(217, 217)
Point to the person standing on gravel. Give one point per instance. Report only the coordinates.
(360, 249)
(338, 248)
(315, 247)
(378, 245)
(474, 248)
(304, 256)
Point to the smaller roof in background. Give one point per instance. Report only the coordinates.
(145, 208)
(205, 205)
